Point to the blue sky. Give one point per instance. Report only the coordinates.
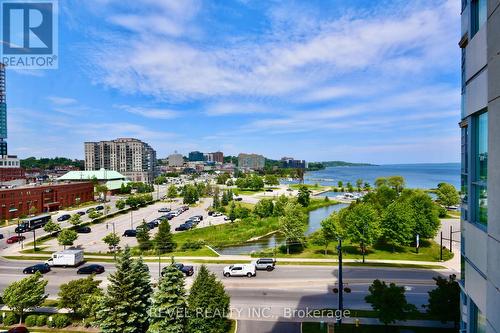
(358, 80)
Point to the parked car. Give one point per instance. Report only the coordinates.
(240, 270)
(238, 199)
(18, 329)
(91, 269)
(100, 207)
(217, 214)
(15, 239)
(196, 218)
(130, 233)
(211, 213)
(267, 264)
(183, 227)
(90, 210)
(63, 217)
(42, 268)
(269, 190)
(188, 270)
(81, 213)
(139, 227)
(83, 230)
(1, 236)
(164, 210)
(151, 225)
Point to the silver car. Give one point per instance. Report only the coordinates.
(267, 264)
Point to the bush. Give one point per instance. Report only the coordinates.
(30, 320)
(41, 320)
(196, 245)
(442, 212)
(10, 319)
(59, 321)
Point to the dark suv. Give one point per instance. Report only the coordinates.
(130, 233)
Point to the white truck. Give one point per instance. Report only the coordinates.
(66, 258)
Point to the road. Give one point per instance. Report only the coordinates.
(270, 296)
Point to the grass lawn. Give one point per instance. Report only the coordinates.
(231, 233)
(429, 251)
(346, 328)
(309, 186)
(246, 191)
(453, 214)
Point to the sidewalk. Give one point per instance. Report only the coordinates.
(246, 258)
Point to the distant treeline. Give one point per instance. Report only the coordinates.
(50, 163)
(312, 166)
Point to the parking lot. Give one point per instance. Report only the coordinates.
(92, 242)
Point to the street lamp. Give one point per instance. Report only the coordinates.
(131, 219)
(341, 283)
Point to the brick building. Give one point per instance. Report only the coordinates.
(45, 198)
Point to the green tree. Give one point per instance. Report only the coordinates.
(172, 192)
(381, 181)
(367, 186)
(25, 294)
(381, 198)
(447, 195)
(264, 208)
(292, 224)
(163, 241)
(271, 180)
(398, 224)
(303, 196)
(190, 194)
(51, 227)
(362, 225)
(112, 240)
(67, 237)
(340, 184)
(120, 204)
(101, 190)
(142, 280)
(75, 294)
(33, 210)
(208, 304)
(389, 302)
(216, 201)
(223, 178)
(444, 300)
(279, 205)
(122, 308)
(396, 182)
(143, 237)
(349, 187)
(75, 219)
(427, 223)
(232, 211)
(169, 305)
(359, 183)
(331, 229)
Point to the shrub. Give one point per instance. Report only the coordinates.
(196, 245)
(442, 212)
(10, 319)
(41, 320)
(59, 321)
(30, 320)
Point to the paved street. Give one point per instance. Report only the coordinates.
(271, 296)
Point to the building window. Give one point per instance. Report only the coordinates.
(481, 205)
(482, 146)
(478, 11)
(479, 190)
(478, 319)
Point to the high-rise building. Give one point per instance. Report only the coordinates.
(133, 158)
(3, 112)
(251, 161)
(217, 157)
(480, 172)
(175, 160)
(291, 163)
(196, 156)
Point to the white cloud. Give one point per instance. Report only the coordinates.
(62, 101)
(155, 113)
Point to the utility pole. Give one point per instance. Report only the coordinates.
(34, 241)
(131, 219)
(341, 283)
(441, 248)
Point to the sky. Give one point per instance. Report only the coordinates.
(358, 80)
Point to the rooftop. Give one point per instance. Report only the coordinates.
(101, 174)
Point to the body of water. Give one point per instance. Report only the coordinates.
(425, 176)
(315, 218)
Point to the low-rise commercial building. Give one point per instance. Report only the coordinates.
(175, 160)
(196, 156)
(15, 202)
(217, 157)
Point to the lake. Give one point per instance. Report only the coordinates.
(425, 176)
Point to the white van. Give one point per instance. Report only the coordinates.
(239, 270)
